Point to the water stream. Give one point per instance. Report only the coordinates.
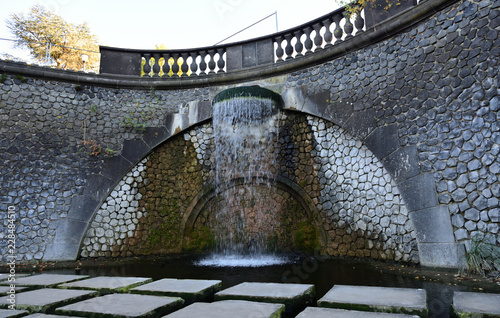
(245, 130)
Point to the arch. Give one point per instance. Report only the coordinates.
(206, 194)
(432, 222)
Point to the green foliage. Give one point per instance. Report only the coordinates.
(41, 28)
(482, 256)
(353, 8)
(21, 78)
(3, 78)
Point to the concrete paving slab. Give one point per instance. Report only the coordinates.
(48, 280)
(108, 283)
(9, 313)
(190, 290)
(43, 300)
(383, 299)
(46, 316)
(123, 306)
(295, 297)
(4, 277)
(4, 290)
(468, 304)
(230, 309)
(317, 312)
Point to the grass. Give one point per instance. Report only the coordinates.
(482, 256)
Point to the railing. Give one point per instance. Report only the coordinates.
(319, 34)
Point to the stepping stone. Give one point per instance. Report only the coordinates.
(6, 289)
(295, 297)
(4, 277)
(9, 313)
(108, 283)
(469, 304)
(316, 312)
(48, 280)
(122, 306)
(190, 290)
(230, 309)
(46, 316)
(42, 300)
(385, 299)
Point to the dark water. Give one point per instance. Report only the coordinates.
(324, 274)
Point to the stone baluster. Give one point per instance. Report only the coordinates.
(279, 50)
(147, 68)
(308, 43)
(211, 62)
(348, 28)
(328, 34)
(289, 47)
(203, 63)
(166, 66)
(185, 65)
(298, 45)
(194, 64)
(359, 23)
(156, 65)
(318, 39)
(175, 66)
(338, 33)
(221, 63)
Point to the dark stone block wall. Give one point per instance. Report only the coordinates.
(438, 85)
(43, 163)
(425, 102)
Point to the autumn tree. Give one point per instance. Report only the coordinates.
(43, 31)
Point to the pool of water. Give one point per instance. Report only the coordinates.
(323, 273)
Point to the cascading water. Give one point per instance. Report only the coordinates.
(245, 122)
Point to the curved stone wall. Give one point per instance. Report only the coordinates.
(424, 101)
(359, 210)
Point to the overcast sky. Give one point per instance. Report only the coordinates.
(175, 23)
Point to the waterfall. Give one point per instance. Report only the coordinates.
(245, 135)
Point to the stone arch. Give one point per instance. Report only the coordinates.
(432, 222)
(208, 192)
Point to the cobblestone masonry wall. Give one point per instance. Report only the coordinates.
(437, 81)
(359, 205)
(42, 165)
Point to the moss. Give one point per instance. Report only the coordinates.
(306, 237)
(199, 240)
(248, 91)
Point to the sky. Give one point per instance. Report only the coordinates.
(178, 24)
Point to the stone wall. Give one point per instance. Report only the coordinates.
(357, 205)
(430, 91)
(44, 163)
(438, 82)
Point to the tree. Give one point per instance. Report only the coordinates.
(43, 32)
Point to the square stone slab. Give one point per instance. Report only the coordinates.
(48, 280)
(6, 289)
(108, 283)
(46, 316)
(190, 290)
(3, 277)
(295, 297)
(122, 306)
(41, 300)
(230, 309)
(385, 299)
(476, 304)
(9, 313)
(316, 312)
